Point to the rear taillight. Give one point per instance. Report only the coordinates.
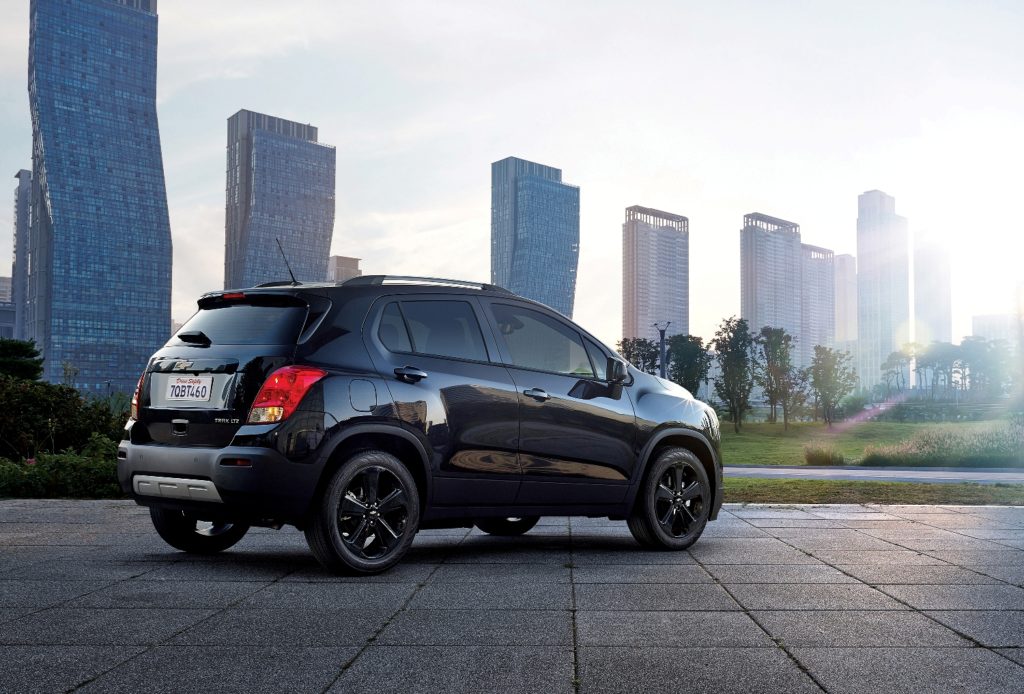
(282, 392)
(134, 412)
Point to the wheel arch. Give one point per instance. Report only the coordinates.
(380, 437)
(688, 439)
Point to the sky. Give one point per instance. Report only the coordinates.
(709, 110)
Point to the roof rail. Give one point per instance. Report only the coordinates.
(378, 280)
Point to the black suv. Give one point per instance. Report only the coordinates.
(364, 411)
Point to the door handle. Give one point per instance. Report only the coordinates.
(537, 394)
(410, 374)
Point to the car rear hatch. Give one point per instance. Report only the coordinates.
(198, 389)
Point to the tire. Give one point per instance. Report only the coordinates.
(193, 535)
(673, 503)
(507, 527)
(367, 516)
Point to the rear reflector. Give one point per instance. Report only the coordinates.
(236, 462)
(134, 412)
(282, 392)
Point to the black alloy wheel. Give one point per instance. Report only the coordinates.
(673, 503)
(374, 512)
(368, 515)
(678, 499)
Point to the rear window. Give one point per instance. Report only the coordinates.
(245, 324)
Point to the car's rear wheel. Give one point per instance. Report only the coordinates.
(507, 527)
(368, 515)
(673, 503)
(194, 535)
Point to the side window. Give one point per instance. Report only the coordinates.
(537, 341)
(598, 358)
(445, 329)
(392, 330)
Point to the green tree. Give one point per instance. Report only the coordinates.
(733, 344)
(793, 385)
(689, 361)
(894, 370)
(640, 352)
(832, 379)
(772, 363)
(20, 359)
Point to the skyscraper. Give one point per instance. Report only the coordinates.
(280, 186)
(786, 284)
(817, 301)
(883, 284)
(771, 262)
(99, 249)
(933, 310)
(535, 232)
(846, 302)
(19, 271)
(655, 272)
(341, 268)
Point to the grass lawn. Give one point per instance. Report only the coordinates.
(769, 444)
(751, 490)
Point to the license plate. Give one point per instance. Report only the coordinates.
(194, 388)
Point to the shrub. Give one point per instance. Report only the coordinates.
(815, 454)
(994, 444)
(45, 418)
(63, 475)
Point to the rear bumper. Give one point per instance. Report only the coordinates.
(270, 487)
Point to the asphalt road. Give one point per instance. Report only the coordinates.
(772, 598)
(879, 474)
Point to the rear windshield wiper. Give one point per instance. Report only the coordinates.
(195, 337)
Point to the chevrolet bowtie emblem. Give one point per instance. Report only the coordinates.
(182, 365)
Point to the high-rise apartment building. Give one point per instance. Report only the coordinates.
(883, 284)
(846, 302)
(817, 301)
(535, 232)
(341, 268)
(98, 291)
(786, 284)
(280, 187)
(655, 272)
(19, 269)
(933, 300)
(5, 291)
(770, 266)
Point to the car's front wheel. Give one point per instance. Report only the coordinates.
(673, 503)
(190, 534)
(507, 527)
(368, 515)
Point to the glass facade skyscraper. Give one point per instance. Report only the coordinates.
(19, 272)
(535, 232)
(280, 186)
(99, 249)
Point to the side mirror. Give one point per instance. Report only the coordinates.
(617, 371)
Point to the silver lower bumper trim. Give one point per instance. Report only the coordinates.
(176, 488)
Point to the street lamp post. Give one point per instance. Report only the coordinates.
(661, 331)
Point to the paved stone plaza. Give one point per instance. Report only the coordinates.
(772, 598)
